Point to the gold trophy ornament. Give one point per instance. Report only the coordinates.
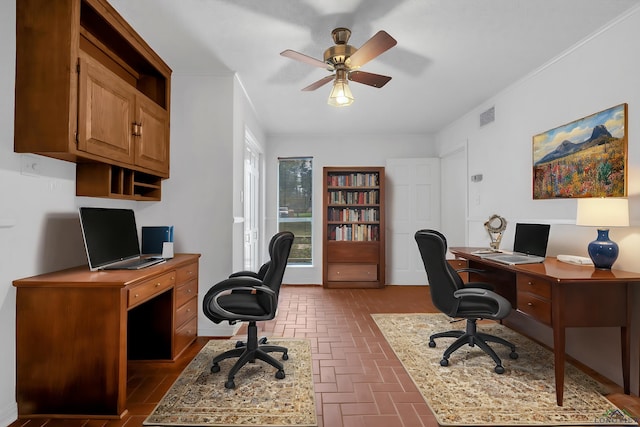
(495, 226)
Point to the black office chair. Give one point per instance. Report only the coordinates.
(263, 268)
(248, 299)
(471, 301)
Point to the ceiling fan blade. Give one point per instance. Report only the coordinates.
(316, 85)
(371, 79)
(376, 45)
(304, 58)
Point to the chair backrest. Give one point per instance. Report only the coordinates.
(280, 247)
(443, 279)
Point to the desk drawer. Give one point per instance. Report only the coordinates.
(352, 272)
(538, 308)
(186, 311)
(185, 335)
(147, 290)
(186, 291)
(533, 285)
(188, 272)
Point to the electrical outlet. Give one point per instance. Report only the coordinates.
(30, 165)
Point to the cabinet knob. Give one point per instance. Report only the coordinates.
(530, 304)
(136, 295)
(157, 284)
(530, 283)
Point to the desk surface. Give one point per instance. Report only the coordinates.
(552, 269)
(81, 275)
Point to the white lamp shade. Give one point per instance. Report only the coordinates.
(603, 212)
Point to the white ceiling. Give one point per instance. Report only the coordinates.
(451, 54)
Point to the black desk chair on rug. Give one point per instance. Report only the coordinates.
(249, 299)
(472, 301)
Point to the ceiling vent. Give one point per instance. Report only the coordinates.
(488, 116)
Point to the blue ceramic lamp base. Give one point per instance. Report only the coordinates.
(603, 252)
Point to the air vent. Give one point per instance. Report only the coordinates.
(487, 116)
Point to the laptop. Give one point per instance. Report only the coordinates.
(529, 246)
(111, 240)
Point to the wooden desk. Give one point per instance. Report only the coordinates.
(563, 295)
(76, 329)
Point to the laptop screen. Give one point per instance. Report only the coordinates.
(110, 235)
(531, 239)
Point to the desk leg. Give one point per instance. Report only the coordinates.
(558, 350)
(625, 343)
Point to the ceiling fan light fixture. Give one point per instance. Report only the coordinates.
(341, 95)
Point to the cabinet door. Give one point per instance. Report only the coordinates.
(152, 142)
(105, 113)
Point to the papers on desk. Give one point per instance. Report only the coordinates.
(574, 259)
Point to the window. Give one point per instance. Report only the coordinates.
(294, 205)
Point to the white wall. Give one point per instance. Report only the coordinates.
(331, 150)
(600, 73)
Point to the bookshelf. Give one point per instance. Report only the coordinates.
(353, 227)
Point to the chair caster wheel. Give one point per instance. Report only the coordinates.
(432, 344)
(285, 356)
(230, 384)
(262, 340)
(444, 362)
(499, 369)
(215, 368)
(513, 355)
(280, 374)
(240, 344)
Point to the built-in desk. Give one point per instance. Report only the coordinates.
(76, 330)
(563, 295)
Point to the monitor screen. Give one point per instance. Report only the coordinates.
(110, 235)
(531, 239)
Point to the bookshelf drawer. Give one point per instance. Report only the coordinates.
(361, 252)
(352, 272)
(151, 288)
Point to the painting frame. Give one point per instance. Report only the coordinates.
(583, 158)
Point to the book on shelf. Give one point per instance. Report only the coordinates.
(353, 180)
(354, 233)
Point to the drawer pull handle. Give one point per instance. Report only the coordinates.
(157, 284)
(530, 304)
(137, 295)
(530, 283)
(189, 291)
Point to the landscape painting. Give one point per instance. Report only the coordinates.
(584, 158)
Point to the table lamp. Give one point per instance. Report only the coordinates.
(603, 213)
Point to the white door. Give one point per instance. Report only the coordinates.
(251, 208)
(413, 203)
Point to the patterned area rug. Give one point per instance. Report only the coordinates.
(198, 397)
(469, 392)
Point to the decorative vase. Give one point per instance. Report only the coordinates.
(603, 252)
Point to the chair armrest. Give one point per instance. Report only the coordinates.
(503, 305)
(243, 284)
(244, 273)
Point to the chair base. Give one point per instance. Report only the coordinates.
(248, 353)
(472, 338)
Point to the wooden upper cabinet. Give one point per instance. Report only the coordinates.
(89, 89)
(106, 114)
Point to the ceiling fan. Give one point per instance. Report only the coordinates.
(345, 60)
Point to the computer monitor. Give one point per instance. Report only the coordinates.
(110, 235)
